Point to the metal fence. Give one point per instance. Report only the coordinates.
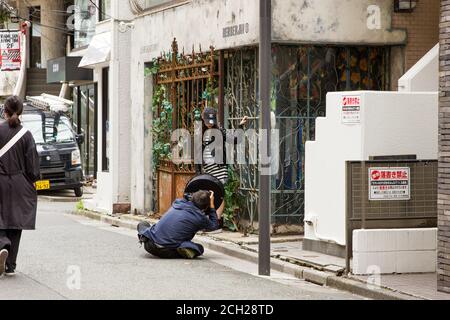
(420, 211)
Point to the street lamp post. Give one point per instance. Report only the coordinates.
(265, 60)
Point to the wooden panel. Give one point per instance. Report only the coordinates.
(181, 180)
(164, 191)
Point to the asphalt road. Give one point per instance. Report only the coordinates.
(71, 257)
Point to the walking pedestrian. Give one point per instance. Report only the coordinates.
(19, 170)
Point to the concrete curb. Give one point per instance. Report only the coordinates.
(301, 272)
(60, 199)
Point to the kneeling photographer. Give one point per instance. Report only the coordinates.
(171, 237)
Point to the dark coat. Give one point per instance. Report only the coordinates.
(19, 169)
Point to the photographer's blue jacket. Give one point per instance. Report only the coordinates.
(180, 224)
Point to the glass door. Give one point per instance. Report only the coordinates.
(85, 122)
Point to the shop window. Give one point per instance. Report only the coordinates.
(104, 7)
(85, 18)
(85, 122)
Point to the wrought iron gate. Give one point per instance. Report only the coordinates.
(185, 84)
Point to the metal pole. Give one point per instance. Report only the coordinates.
(265, 60)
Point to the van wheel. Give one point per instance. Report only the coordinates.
(78, 192)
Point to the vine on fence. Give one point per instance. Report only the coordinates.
(162, 119)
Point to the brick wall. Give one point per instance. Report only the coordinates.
(422, 27)
(444, 152)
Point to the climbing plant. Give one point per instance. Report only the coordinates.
(162, 118)
(233, 202)
(161, 126)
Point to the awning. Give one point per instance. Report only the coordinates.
(99, 51)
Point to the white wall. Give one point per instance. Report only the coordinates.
(138, 165)
(114, 186)
(120, 105)
(392, 124)
(389, 251)
(424, 75)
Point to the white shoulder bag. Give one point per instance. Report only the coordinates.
(13, 141)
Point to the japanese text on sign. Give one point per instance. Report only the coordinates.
(389, 184)
(10, 58)
(351, 109)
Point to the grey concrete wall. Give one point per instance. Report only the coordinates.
(234, 23)
(335, 21)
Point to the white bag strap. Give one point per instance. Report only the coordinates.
(12, 142)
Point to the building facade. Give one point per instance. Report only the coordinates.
(319, 46)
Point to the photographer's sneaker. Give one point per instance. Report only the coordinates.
(187, 253)
(141, 228)
(3, 257)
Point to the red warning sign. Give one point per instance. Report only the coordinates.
(10, 58)
(389, 184)
(351, 109)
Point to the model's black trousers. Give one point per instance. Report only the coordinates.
(10, 240)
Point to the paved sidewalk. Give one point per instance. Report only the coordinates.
(287, 257)
(423, 286)
(419, 285)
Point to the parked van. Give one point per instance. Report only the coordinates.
(58, 148)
